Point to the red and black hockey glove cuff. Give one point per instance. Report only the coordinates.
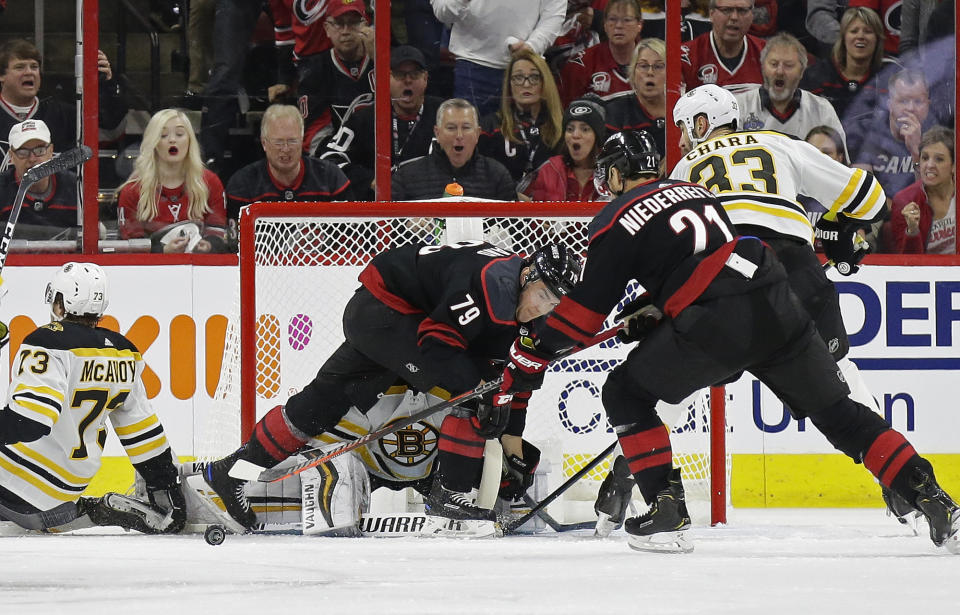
(518, 473)
(524, 371)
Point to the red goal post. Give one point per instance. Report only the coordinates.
(299, 264)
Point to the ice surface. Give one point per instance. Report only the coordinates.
(770, 561)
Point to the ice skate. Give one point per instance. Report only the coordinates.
(661, 529)
(613, 498)
(901, 510)
(454, 514)
(114, 509)
(230, 490)
(941, 512)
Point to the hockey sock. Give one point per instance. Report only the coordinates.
(649, 456)
(273, 440)
(891, 458)
(461, 454)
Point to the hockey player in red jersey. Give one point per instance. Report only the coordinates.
(726, 306)
(433, 316)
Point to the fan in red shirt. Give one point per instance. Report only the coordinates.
(727, 55)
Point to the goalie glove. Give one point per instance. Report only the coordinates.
(524, 371)
(844, 248)
(518, 473)
(639, 317)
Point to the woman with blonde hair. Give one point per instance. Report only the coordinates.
(170, 196)
(526, 130)
(644, 108)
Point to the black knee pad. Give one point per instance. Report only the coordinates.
(850, 427)
(319, 406)
(625, 404)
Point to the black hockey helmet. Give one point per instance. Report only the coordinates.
(631, 153)
(557, 265)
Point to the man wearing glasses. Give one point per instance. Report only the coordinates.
(286, 174)
(50, 206)
(602, 69)
(726, 56)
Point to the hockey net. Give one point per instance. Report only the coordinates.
(299, 264)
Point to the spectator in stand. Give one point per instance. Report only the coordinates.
(20, 78)
(286, 174)
(924, 216)
(726, 56)
(171, 197)
(646, 106)
(455, 161)
(830, 142)
(525, 132)
(331, 83)
(823, 23)
(353, 148)
(602, 69)
(894, 135)
(200, 49)
(576, 34)
(696, 19)
(889, 12)
(851, 72)
(914, 18)
(50, 206)
(483, 36)
(779, 104)
(569, 176)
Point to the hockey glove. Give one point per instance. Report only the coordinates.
(491, 420)
(841, 246)
(170, 500)
(524, 371)
(639, 318)
(518, 473)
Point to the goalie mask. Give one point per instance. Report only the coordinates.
(83, 287)
(557, 266)
(631, 153)
(717, 104)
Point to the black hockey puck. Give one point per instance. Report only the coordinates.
(215, 534)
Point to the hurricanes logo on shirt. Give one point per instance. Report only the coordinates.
(708, 73)
(600, 82)
(308, 11)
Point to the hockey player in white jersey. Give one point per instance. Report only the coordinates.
(69, 376)
(757, 176)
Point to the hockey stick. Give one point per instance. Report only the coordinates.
(555, 525)
(64, 161)
(248, 471)
(513, 525)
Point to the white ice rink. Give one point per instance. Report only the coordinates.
(771, 561)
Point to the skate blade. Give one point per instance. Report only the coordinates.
(662, 542)
(441, 527)
(605, 525)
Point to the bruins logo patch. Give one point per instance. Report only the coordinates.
(411, 445)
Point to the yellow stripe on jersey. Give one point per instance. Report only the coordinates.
(32, 405)
(870, 203)
(112, 353)
(40, 484)
(134, 451)
(848, 191)
(68, 477)
(40, 390)
(138, 426)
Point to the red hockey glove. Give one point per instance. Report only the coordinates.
(524, 371)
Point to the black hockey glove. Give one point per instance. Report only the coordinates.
(518, 473)
(639, 318)
(524, 371)
(491, 420)
(841, 246)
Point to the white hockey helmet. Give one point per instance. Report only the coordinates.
(84, 289)
(716, 103)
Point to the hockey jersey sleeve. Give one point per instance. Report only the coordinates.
(36, 395)
(853, 196)
(137, 426)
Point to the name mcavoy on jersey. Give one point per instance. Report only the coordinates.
(113, 370)
(637, 215)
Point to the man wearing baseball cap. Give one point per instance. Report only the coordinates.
(353, 147)
(332, 82)
(50, 205)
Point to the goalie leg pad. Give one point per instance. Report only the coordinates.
(334, 495)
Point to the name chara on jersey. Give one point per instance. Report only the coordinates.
(633, 219)
(716, 143)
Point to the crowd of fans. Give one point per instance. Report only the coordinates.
(510, 100)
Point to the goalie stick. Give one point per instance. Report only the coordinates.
(510, 526)
(248, 471)
(64, 161)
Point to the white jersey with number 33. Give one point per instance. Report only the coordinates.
(758, 175)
